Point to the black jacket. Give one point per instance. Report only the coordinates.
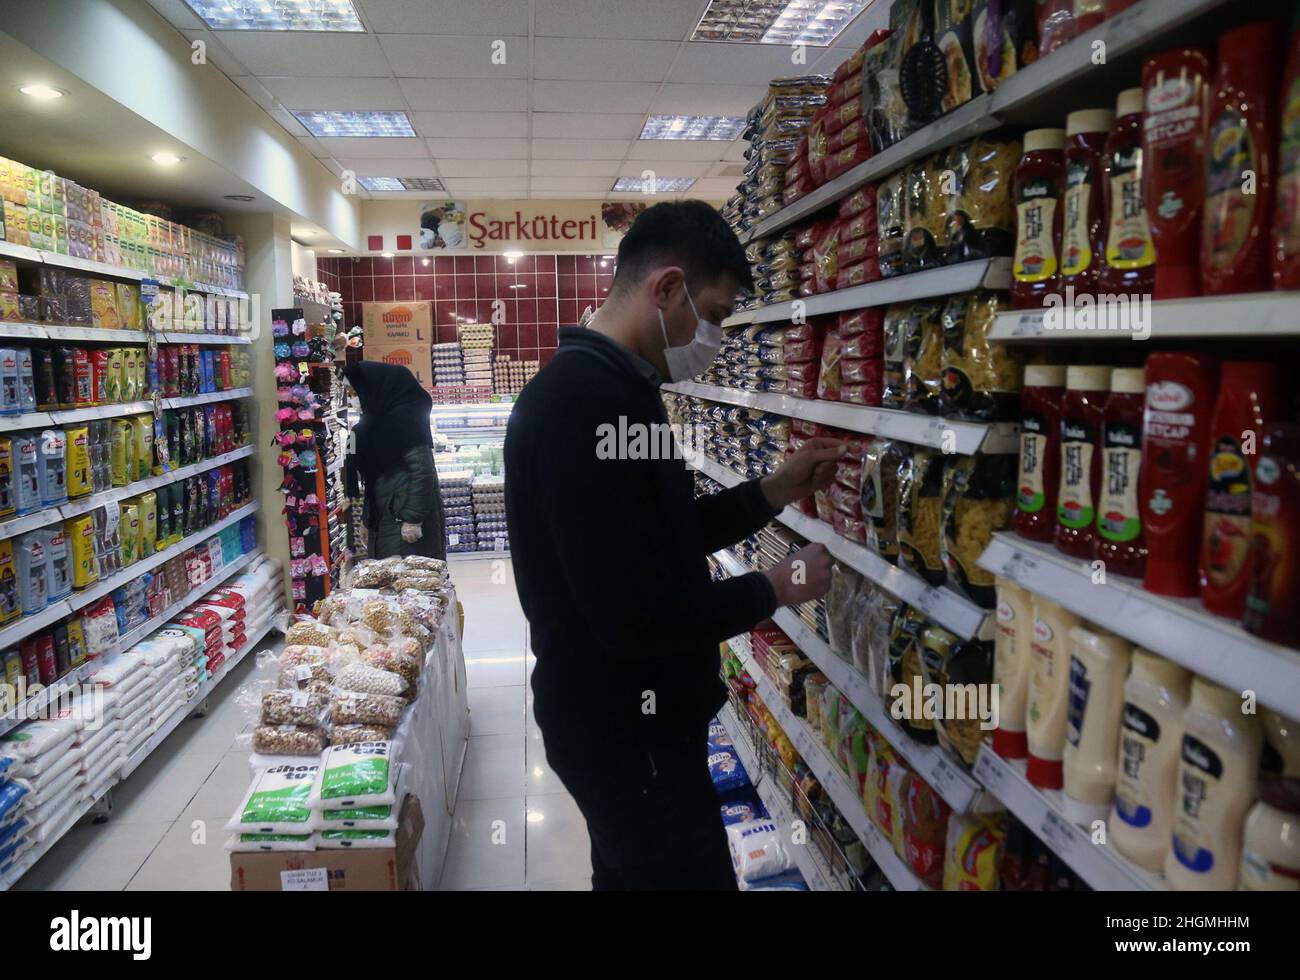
(405, 494)
(609, 557)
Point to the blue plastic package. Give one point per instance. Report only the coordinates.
(10, 793)
(10, 831)
(786, 881)
(738, 811)
(726, 771)
(718, 736)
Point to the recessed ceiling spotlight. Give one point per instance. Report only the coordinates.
(239, 197)
(165, 159)
(42, 92)
(264, 15)
(335, 251)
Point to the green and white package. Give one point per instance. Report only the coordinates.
(343, 839)
(247, 843)
(358, 775)
(380, 817)
(277, 802)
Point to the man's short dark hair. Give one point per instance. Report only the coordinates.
(690, 234)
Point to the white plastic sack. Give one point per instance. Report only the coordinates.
(338, 840)
(44, 768)
(248, 843)
(35, 738)
(374, 818)
(277, 802)
(757, 850)
(357, 775)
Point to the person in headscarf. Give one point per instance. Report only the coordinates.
(392, 457)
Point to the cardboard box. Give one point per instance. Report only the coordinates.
(378, 869)
(417, 357)
(386, 324)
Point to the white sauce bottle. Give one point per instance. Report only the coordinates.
(1099, 663)
(1011, 664)
(1270, 855)
(1281, 744)
(1150, 743)
(1049, 685)
(1216, 786)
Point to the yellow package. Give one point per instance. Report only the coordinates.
(8, 489)
(76, 642)
(141, 372)
(148, 504)
(971, 853)
(128, 306)
(80, 532)
(113, 380)
(143, 438)
(128, 531)
(80, 480)
(103, 305)
(122, 454)
(9, 605)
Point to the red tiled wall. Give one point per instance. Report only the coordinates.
(555, 290)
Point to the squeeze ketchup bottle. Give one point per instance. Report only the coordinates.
(1273, 604)
(1130, 258)
(1241, 161)
(1083, 238)
(1036, 189)
(1180, 396)
(1286, 214)
(1082, 405)
(1176, 90)
(1250, 398)
(1120, 541)
(1040, 451)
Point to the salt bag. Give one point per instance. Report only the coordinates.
(357, 775)
(277, 802)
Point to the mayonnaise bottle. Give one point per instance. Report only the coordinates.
(1281, 744)
(1150, 743)
(1049, 686)
(1099, 663)
(1216, 786)
(1270, 854)
(1011, 663)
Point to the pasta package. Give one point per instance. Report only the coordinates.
(925, 213)
(968, 667)
(923, 358)
(904, 665)
(828, 379)
(981, 378)
(896, 334)
(891, 225)
(880, 464)
(920, 513)
(979, 498)
(981, 220)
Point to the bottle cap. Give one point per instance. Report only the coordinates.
(1089, 121)
(1128, 381)
(1044, 139)
(1044, 773)
(1130, 101)
(1045, 375)
(1010, 745)
(1088, 377)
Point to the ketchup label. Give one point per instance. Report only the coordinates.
(1286, 222)
(1074, 508)
(1128, 240)
(1031, 497)
(1076, 248)
(1118, 517)
(1227, 513)
(1035, 259)
(1229, 211)
(1275, 525)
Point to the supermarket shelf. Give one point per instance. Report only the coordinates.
(22, 331)
(809, 866)
(470, 408)
(947, 608)
(36, 703)
(172, 337)
(313, 311)
(39, 331)
(207, 398)
(965, 438)
(472, 434)
(26, 254)
(27, 420)
(944, 281)
(67, 416)
(453, 556)
(963, 122)
(1253, 315)
(1179, 629)
(1100, 865)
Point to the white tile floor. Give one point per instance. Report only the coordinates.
(514, 828)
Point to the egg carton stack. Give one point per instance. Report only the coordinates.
(489, 492)
(448, 365)
(509, 376)
(476, 341)
(458, 509)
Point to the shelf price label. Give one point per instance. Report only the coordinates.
(1028, 325)
(989, 771)
(1059, 834)
(1019, 566)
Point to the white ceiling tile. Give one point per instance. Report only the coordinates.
(724, 168)
(669, 20)
(256, 91)
(679, 149)
(553, 96)
(483, 168)
(477, 186)
(312, 146)
(664, 168)
(469, 149)
(341, 94)
(286, 119)
(389, 167)
(408, 196)
(446, 56)
(215, 53)
(178, 14)
(680, 99)
(585, 125)
(272, 53)
(713, 189)
(470, 124)
(736, 151)
(575, 168)
(466, 94)
(734, 64)
(548, 149)
(594, 185)
(606, 60)
(495, 17)
(376, 148)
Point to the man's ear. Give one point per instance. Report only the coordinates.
(664, 283)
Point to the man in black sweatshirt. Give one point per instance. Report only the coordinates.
(609, 554)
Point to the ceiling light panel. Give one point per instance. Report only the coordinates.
(400, 183)
(662, 185)
(382, 124)
(692, 127)
(813, 22)
(278, 15)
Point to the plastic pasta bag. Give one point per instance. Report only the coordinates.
(979, 498)
(898, 335)
(923, 358)
(309, 632)
(880, 462)
(845, 583)
(283, 707)
(920, 513)
(277, 802)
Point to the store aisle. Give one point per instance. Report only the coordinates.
(515, 826)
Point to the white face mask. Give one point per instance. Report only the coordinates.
(692, 359)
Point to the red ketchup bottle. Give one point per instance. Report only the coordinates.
(1055, 22)
(1120, 541)
(1036, 188)
(1173, 155)
(1242, 156)
(1286, 214)
(1250, 398)
(1082, 404)
(1083, 208)
(1088, 14)
(1130, 259)
(1114, 7)
(1040, 451)
(1273, 602)
(1181, 390)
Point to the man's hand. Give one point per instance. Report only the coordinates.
(412, 533)
(804, 575)
(811, 468)
(365, 536)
